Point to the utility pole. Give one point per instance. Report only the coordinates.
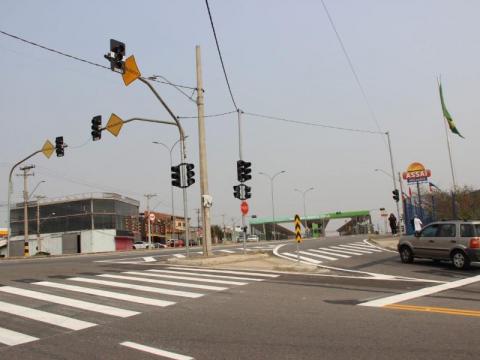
(393, 175)
(223, 224)
(25, 174)
(198, 221)
(149, 196)
(39, 242)
(234, 237)
(205, 199)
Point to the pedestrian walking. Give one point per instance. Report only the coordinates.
(393, 224)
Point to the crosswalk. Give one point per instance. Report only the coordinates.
(334, 252)
(118, 295)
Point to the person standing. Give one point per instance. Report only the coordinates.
(417, 224)
(393, 223)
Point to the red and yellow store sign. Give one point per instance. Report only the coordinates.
(416, 172)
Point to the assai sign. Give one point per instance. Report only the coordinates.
(416, 173)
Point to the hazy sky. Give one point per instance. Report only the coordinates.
(282, 58)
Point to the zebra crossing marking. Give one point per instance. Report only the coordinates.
(346, 251)
(318, 255)
(12, 338)
(196, 274)
(355, 249)
(330, 253)
(226, 282)
(313, 261)
(234, 272)
(43, 316)
(79, 304)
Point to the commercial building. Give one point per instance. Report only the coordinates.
(83, 223)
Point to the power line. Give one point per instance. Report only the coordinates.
(315, 124)
(152, 78)
(352, 68)
(208, 116)
(220, 55)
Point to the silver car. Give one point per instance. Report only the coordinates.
(455, 240)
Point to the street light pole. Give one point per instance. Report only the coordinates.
(273, 204)
(304, 192)
(393, 178)
(170, 149)
(149, 229)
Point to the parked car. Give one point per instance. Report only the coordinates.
(140, 245)
(253, 238)
(455, 240)
(178, 243)
(158, 245)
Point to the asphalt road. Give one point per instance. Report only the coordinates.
(50, 309)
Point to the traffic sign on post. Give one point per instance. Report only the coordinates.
(151, 217)
(298, 229)
(47, 149)
(131, 72)
(114, 124)
(244, 207)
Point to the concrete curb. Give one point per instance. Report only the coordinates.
(389, 244)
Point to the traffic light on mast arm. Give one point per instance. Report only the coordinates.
(116, 55)
(244, 170)
(59, 146)
(396, 195)
(96, 127)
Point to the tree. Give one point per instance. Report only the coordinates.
(217, 232)
(440, 203)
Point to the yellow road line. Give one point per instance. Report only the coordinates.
(440, 310)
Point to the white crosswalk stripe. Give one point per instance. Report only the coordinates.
(309, 253)
(330, 252)
(365, 247)
(227, 251)
(84, 305)
(310, 260)
(225, 282)
(180, 256)
(200, 275)
(344, 251)
(355, 249)
(162, 282)
(138, 287)
(12, 338)
(43, 316)
(235, 272)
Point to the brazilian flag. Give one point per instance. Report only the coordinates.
(447, 115)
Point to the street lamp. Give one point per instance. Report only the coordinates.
(35, 188)
(384, 172)
(304, 192)
(273, 205)
(170, 149)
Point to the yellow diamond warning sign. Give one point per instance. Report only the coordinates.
(114, 125)
(298, 228)
(47, 149)
(131, 71)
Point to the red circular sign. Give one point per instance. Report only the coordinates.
(244, 207)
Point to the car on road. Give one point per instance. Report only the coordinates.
(455, 240)
(140, 245)
(252, 238)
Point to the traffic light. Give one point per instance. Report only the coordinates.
(59, 146)
(244, 170)
(396, 195)
(116, 55)
(190, 174)
(248, 192)
(96, 127)
(176, 181)
(236, 191)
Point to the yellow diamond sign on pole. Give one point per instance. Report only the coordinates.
(114, 125)
(131, 71)
(47, 149)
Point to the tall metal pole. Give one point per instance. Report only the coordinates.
(25, 174)
(304, 192)
(207, 234)
(272, 178)
(393, 175)
(403, 207)
(454, 205)
(149, 196)
(39, 243)
(239, 112)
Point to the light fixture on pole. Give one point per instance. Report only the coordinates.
(273, 204)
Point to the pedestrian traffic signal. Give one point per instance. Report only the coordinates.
(176, 178)
(190, 174)
(116, 55)
(97, 128)
(59, 146)
(396, 195)
(236, 191)
(244, 170)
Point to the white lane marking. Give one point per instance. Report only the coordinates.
(162, 282)
(318, 255)
(330, 253)
(12, 338)
(138, 287)
(227, 251)
(149, 259)
(46, 317)
(205, 275)
(107, 294)
(226, 271)
(379, 247)
(155, 351)
(180, 256)
(364, 247)
(346, 247)
(343, 250)
(309, 260)
(79, 304)
(421, 292)
(225, 282)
